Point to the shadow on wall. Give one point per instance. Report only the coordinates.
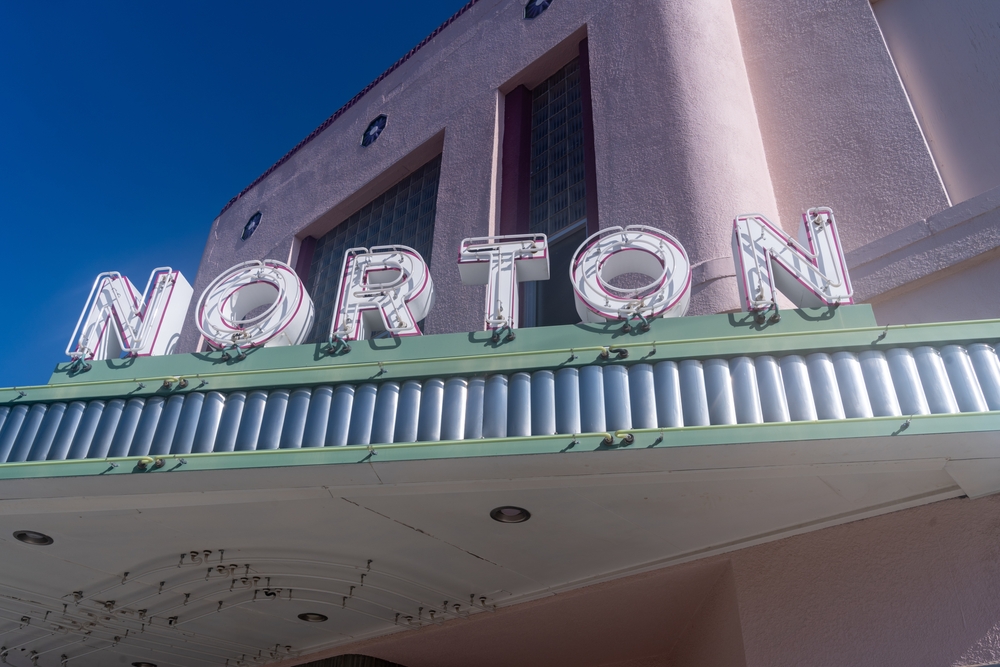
(681, 616)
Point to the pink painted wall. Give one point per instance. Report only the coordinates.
(948, 54)
(837, 125)
(920, 588)
(914, 588)
(702, 111)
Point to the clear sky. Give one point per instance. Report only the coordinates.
(125, 127)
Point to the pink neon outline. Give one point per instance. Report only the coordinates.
(159, 326)
(382, 311)
(581, 252)
(780, 233)
(231, 291)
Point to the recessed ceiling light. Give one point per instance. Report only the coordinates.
(508, 514)
(143, 664)
(312, 618)
(31, 537)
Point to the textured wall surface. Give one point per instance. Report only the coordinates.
(919, 587)
(677, 139)
(702, 111)
(836, 122)
(948, 55)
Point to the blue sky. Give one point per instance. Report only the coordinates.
(126, 126)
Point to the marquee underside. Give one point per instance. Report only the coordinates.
(385, 538)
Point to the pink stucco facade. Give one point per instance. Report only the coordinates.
(703, 111)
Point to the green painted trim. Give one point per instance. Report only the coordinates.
(667, 438)
(799, 331)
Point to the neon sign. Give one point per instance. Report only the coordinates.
(387, 290)
(614, 252)
(811, 273)
(255, 304)
(117, 320)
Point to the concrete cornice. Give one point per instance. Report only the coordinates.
(940, 242)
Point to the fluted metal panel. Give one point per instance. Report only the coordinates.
(339, 427)
(26, 435)
(798, 389)
(773, 400)
(120, 432)
(878, 382)
(294, 428)
(519, 405)
(10, 430)
(212, 411)
(590, 399)
(314, 434)
(408, 412)
(61, 444)
(250, 421)
(694, 400)
(431, 403)
(965, 385)
(384, 421)
(987, 365)
(825, 388)
(617, 398)
(642, 394)
(669, 405)
(142, 440)
(851, 380)
(934, 377)
(187, 424)
(84, 435)
(746, 393)
(567, 390)
(719, 392)
(105, 432)
(543, 403)
(229, 424)
(362, 412)
(592, 406)
(269, 436)
(42, 445)
(474, 408)
(456, 392)
(495, 407)
(906, 381)
(166, 428)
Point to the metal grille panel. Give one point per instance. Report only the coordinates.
(591, 399)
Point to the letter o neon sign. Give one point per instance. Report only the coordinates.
(254, 304)
(615, 251)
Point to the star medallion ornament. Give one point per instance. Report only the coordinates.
(535, 7)
(374, 130)
(251, 226)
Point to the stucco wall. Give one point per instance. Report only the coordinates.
(701, 110)
(837, 125)
(919, 588)
(677, 139)
(948, 55)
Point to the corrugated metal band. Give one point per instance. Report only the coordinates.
(591, 399)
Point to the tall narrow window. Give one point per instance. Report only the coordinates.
(549, 181)
(558, 174)
(402, 215)
(558, 191)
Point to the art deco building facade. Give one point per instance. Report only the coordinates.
(716, 489)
